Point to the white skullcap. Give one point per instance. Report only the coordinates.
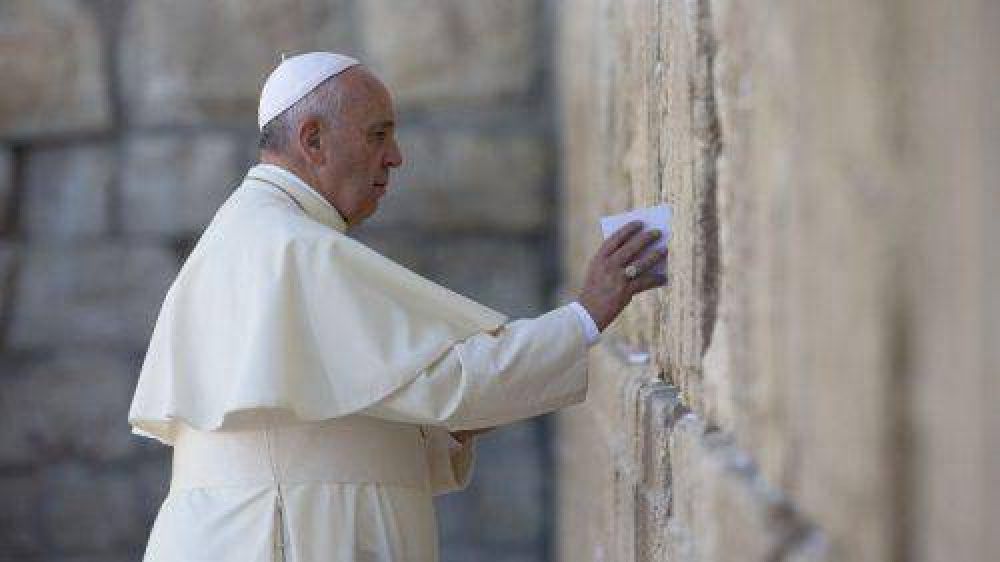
(294, 78)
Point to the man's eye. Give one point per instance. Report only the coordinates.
(380, 135)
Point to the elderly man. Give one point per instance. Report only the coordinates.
(315, 393)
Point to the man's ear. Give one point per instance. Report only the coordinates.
(310, 141)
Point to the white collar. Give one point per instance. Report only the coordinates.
(307, 198)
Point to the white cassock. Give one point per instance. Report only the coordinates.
(307, 385)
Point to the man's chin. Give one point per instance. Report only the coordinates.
(364, 215)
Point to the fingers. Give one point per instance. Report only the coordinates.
(619, 237)
(633, 247)
(646, 282)
(660, 254)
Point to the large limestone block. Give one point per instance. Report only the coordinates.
(601, 462)
(450, 51)
(89, 509)
(658, 407)
(506, 275)
(20, 537)
(72, 404)
(105, 296)
(8, 262)
(67, 190)
(503, 274)
(853, 181)
(173, 184)
(843, 265)
(950, 380)
(6, 187)
(191, 61)
(584, 72)
(516, 512)
(721, 508)
(683, 145)
(750, 368)
(53, 67)
(458, 179)
(806, 215)
(661, 484)
(152, 481)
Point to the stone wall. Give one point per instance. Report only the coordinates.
(819, 380)
(123, 125)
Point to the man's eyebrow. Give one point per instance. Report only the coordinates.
(384, 124)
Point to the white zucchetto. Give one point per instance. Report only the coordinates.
(295, 77)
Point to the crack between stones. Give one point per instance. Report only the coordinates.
(708, 135)
(798, 531)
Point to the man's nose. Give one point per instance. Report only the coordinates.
(394, 158)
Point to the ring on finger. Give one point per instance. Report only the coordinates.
(632, 271)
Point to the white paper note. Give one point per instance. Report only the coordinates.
(656, 217)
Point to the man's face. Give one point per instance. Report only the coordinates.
(361, 149)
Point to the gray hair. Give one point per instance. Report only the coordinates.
(326, 101)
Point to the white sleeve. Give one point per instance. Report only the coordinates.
(590, 328)
(527, 368)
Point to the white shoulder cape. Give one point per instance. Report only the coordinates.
(278, 315)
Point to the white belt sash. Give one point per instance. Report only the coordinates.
(356, 449)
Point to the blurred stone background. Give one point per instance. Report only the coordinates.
(124, 124)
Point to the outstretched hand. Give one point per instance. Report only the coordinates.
(607, 289)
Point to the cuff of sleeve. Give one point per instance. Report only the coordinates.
(590, 330)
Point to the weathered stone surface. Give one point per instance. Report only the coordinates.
(670, 77)
(173, 184)
(404, 246)
(468, 180)
(129, 556)
(814, 317)
(501, 273)
(190, 61)
(492, 516)
(20, 535)
(77, 509)
(74, 404)
(494, 519)
(658, 407)
(106, 295)
(670, 488)
(948, 386)
(62, 37)
(450, 51)
(813, 547)
(607, 69)
(152, 482)
(597, 463)
(823, 295)
(515, 512)
(8, 263)
(66, 192)
(462, 552)
(719, 503)
(583, 74)
(6, 187)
